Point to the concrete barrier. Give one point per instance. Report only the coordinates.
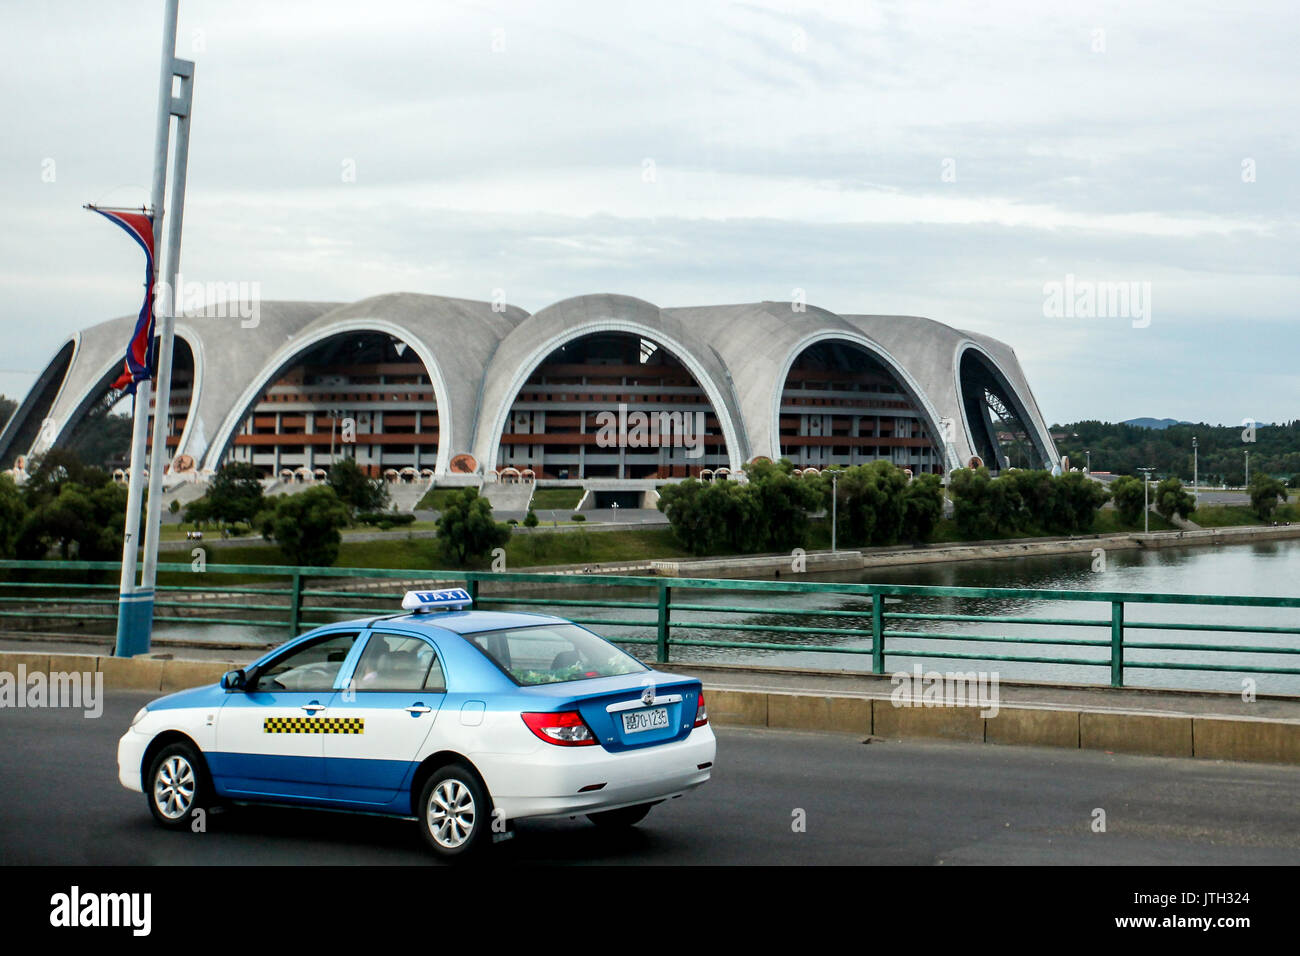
(944, 723)
(1027, 726)
(736, 707)
(819, 712)
(1150, 734)
(1264, 741)
(179, 675)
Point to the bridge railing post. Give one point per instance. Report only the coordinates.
(877, 632)
(663, 629)
(295, 604)
(1117, 644)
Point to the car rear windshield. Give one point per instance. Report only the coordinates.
(553, 654)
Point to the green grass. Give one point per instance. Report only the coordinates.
(435, 499)
(1227, 516)
(522, 551)
(556, 499)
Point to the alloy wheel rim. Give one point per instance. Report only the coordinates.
(173, 787)
(451, 814)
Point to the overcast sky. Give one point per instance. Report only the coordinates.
(936, 159)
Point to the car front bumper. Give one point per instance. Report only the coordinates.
(130, 752)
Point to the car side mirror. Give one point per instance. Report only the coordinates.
(233, 680)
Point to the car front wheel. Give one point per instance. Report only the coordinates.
(455, 814)
(177, 785)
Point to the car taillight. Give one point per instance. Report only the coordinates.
(701, 712)
(565, 729)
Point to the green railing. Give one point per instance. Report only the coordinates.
(293, 599)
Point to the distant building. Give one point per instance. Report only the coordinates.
(418, 386)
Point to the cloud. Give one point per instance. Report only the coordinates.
(506, 145)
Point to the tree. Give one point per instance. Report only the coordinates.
(984, 507)
(969, 490)
(774, 506)
(922, 508)
(1075, 503)
(13, 514)
(1129, 497)
(1171, 499)
(57, 467)
(1265, 493)
(355, 488)
(530, 519)
(871, 507)
(81, 521)
(306, 526)
(466, 529)
(234, 496)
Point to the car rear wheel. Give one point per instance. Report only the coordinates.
(621, 818)
(455, 813)
(177, 785)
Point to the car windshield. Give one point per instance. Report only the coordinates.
(553, 653)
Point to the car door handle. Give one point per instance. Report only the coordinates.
(313, 707)
(418, 709)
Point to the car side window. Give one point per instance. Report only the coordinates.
(398, 662)
(311, 666)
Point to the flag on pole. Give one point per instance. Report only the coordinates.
(139, 352)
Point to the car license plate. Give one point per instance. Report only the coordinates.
(637, 721)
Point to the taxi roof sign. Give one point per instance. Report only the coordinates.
(442, 599)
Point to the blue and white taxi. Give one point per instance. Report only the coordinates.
(464, 720)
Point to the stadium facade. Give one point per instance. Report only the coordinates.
(426, 387)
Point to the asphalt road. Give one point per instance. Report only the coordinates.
(877, 803)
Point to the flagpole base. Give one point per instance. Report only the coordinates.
(134, 623)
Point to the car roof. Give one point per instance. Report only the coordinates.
(467, 622)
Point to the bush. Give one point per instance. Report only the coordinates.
(1129, 496)
(1265, 494)
(306, 526)
(579, 517)
(1171, 499)
(1024, 500)
(922, 508)
(767, 513)
(234, 497)
(530, 519)
(391, 518)
(466, 529)
(355, 488)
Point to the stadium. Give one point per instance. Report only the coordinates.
(423, 389)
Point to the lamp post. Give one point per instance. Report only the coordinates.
(1146, 507)
(1088, 455)
(835, 501)
(1247, 469)
(1195, 473)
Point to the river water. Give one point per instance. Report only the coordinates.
(1265, 569)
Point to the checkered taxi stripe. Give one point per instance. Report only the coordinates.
(314, 725)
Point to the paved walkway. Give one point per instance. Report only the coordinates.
(1050, 696)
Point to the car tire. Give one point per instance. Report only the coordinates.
(455, 813)
(622, 818)
(177, 785)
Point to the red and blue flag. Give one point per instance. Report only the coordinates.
(140, 351)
